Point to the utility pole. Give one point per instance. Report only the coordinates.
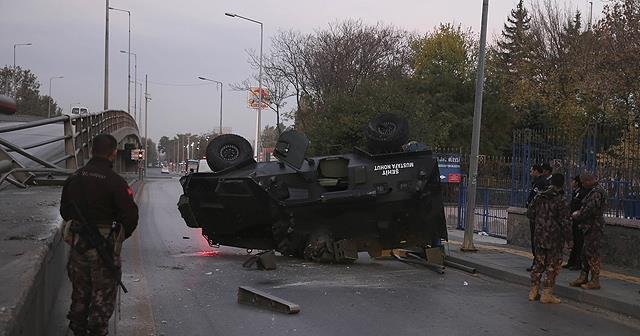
(146, 135)
(467, 244)
(590, 14)
(50, 98)
(106, 58)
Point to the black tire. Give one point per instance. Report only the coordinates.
(228, 150)
(386, 133)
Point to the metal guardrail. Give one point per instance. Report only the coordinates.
(78, 134)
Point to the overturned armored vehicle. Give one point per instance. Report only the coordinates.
(321, 208)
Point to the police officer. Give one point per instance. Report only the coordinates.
(590, 217)
(575, 258)
(103, 198)
(538, 184)
(552, 231)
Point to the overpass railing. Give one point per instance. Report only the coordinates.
(78, 132)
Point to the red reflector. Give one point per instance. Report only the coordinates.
(208, 253)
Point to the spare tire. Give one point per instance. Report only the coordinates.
(386, 133)
(228, 150)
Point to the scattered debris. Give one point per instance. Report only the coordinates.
(252, 296)
(264, 261)
(136, 280)
(185, 237)
(163, 322)
(208, 273)
(465, 283)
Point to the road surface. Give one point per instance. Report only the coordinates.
(181, 286)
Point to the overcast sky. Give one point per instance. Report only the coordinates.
(179, 40)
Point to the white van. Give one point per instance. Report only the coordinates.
(79, 110)
(203, 167)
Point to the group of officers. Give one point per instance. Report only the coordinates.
(556, 224)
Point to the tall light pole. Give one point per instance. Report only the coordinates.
(14, 51)
(129, 57)
(147, 97)
(467, 244)
(257, 142)
(135, 80)
(106, 58)
(14, 65)
(218, 83)
(49, 100)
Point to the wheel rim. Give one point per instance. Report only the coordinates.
(229, 152)
(386, 128)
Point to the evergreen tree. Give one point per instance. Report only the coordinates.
(514, 46)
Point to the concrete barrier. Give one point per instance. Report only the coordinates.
(39, 275)
(40, 289)
(620, 246)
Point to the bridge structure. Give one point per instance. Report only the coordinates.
(64, 145)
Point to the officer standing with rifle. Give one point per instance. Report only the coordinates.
(97, 205)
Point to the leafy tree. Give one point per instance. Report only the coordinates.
(24, 85)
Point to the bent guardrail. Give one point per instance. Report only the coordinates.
(78, 133)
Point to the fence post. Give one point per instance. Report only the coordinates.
(485, 210)
(70, 145)
(461, 204)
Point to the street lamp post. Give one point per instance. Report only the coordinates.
(221, 84)
(147, 97)
(129, 57)
(14, 51)
(257, 141)
(106, 57)
(49, 100)
(14, 64)
(135, 80)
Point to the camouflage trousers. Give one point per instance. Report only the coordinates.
(94, 293)
(591, 260)
(546, 261)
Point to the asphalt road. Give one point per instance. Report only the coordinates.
(181, 286)
(30, 136)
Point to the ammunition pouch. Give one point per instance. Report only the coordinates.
(113, 234)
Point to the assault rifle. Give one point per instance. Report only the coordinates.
(104, 247)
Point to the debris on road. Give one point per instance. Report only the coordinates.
(208, 273)
(264, 261)
(185, 237)
(254, 297)
(465, 283)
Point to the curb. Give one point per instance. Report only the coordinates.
(574, 294)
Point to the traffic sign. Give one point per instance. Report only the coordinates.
(253, 98)
(137, 154)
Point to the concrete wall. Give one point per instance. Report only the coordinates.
(621, 244)
(33, 311)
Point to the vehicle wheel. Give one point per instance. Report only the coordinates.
(228, 150)
(319, 247)
(386, 133)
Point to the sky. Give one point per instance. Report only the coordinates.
(177, 41)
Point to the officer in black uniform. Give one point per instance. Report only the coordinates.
(103, 198)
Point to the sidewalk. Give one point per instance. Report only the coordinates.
(620, 290)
